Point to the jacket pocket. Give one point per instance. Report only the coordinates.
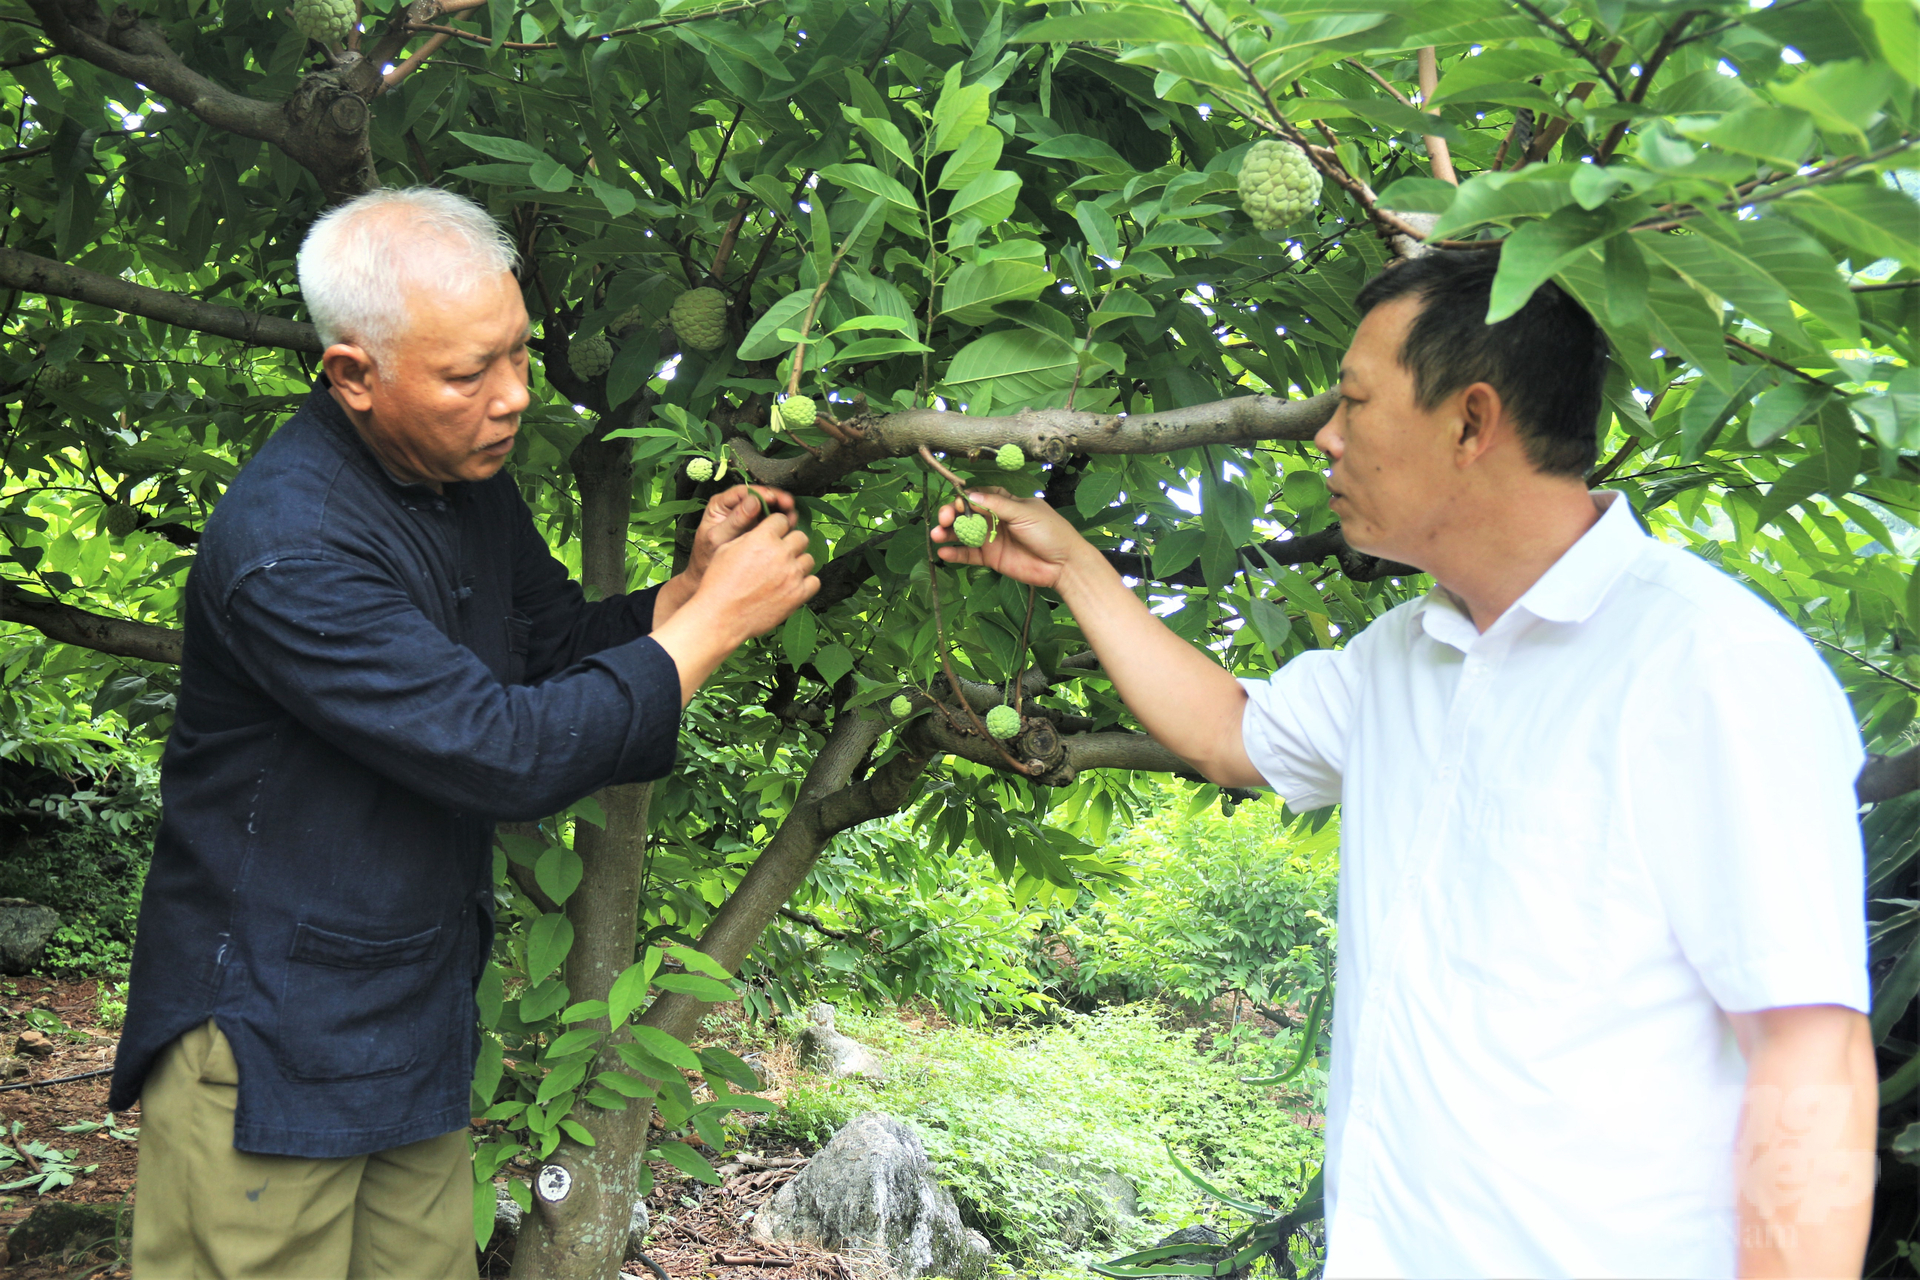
(352, 1007)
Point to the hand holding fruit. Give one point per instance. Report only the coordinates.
(1033, 544)
(729, 515)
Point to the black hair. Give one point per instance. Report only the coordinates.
(1547, 360)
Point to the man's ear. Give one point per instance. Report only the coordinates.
(1482, 422)
(350, 369)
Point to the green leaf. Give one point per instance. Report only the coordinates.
(719, 1062)
(977, 153)
(619, 202)
(490, 995)
(960, 110)
(577, 1131)
(1103, 236)
(989, 197)
(870, 181)
(1842, 97)
(1011, 354)
(666, 1048)
(487, 1070)
(561, 1080)
(629, 990)
(549, 174)
(1500, 197)
(483, 1212)
(832, 662)
(543, 1000)
(884, 132)
(975, 287)
(763, 339)
(503, 148)
(1685, 327)
(1875, 218)
(688, 1161)
(1782, 409)
(1783, 135)
(1539, 249)
(621, 1083)
(558, 873)
(573, 1041)
(797, 637)
(548, 941)
(699, 988)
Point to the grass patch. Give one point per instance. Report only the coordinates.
(1022, 1122)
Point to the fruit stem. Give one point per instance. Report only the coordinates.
(959, 486)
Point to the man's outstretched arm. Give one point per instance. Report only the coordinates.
(1804, 1167)
(1185, 699)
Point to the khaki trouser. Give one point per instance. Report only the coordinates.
(204, 1211)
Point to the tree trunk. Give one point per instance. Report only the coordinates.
(582, 1235)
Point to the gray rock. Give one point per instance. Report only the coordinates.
(839, 1056)
(507, 1215)
(873, 1187)
(1099, 1202)
(1201, 1234)
(58, 1225)
(25, 928)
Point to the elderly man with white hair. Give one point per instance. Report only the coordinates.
(382, 658)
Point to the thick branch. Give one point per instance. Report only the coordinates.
(1310, 549)
(1052, 434)
(1885, 777)
(68, 625)
(1062, 757)
(35, 274)
(126, 45)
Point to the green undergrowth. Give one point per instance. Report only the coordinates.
(1105, 1091)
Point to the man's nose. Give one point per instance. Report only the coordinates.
(513, 398)
(1328, 438)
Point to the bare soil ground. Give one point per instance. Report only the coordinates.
(698, 1231)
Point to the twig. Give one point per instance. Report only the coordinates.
(1867, 663)
(1668, 43)
(721, 154)
(1384, 83)
(414, 61)
(1776, 361)
(1439, 158)
(1888, 284)
(1566, 37)
(1612, 464)
(730, 236)
(959, 485)
(29, 59)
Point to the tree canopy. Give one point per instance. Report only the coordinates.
(955, 225)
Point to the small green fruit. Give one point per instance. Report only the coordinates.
(1010, 458)
(971, 529)
(700, 469)
(122, 519)
(699, 316)
(900, 708)
(625, 320)
(1003, 722)
(325, 21)
(1278, 184)
(59, 379)
(590, 357)
(798, 411)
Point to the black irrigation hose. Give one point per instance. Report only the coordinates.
(40, 1084)
(652, 1266)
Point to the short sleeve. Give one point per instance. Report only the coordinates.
(1740, 795)
(1295, 726)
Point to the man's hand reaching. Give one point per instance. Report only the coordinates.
(1031, 543)
(752, 581)
(727, 517)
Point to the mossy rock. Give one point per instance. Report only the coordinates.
(55, 1227)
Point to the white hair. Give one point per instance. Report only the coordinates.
(361, 260)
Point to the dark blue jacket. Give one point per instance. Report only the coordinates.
(373, 674)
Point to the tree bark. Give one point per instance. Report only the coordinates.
(62, 622)
(34, 274)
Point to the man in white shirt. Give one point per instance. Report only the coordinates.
(1602, 959)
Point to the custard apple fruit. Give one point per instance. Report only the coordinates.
(59, 379)
(122, 519)
(699, 316)
(325, 21)
(1278, 184)
(589, 357)
(798, 411)
(971, 529)
(1003, 722)
(900, 708)
(1010, 458)
(625, 320)
(700, 469)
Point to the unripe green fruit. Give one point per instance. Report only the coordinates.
(1010, 458)
(699, 316)
(625, 320)
(700, 469)
(1278, 184)
(59, 379)
(798, 411)
(900, 708)
(1003, 722)
(590, 357)
(325, 21)
(971, 529)
(122, 519)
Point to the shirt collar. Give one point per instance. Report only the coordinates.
(1569, 591)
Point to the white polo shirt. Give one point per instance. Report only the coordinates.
(1567, 845)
